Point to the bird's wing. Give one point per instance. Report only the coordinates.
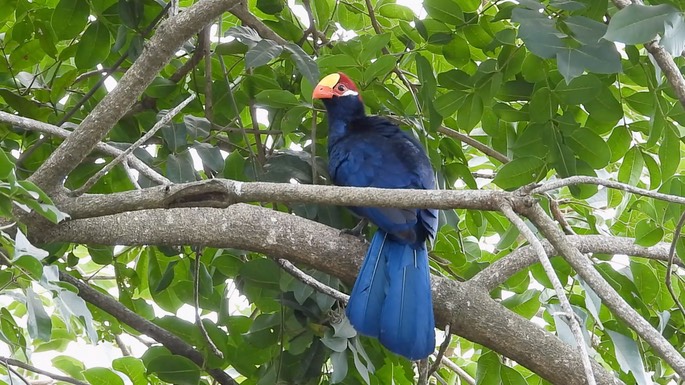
(384, 157)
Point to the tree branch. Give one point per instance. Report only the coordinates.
(222, 193)
(34, 125)
(123, 314)
(31, 368)
(311, 281)
(161, 123)
(558, 289)
(609, 296)
(468, 309)
(169, 36)
(576, 180)
(500, 270)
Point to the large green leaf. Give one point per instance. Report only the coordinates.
(94, 46)
(639, 23)
(519, 172)
(175, 369)
(69, 18)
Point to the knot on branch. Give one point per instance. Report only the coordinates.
(207, 193)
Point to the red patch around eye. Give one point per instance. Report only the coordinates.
(347, 82)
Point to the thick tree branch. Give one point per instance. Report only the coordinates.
(222, 193)
(609, 296)
(34, 125)
(123, 314)
(521, 258)
(468, 309)
(158, 52)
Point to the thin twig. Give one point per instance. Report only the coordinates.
(474, 143)
(57, 377)
(161, 123)
(671, 256)
(459, 371)
(441, 352)
(576, 180)
(558, 289)
(196, 299)
(125, 351)
(311, 281)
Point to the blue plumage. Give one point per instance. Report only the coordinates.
(391, 299)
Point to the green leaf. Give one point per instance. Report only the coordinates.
(511, 377)
(270, 7)
(448, 11)
(605, 108)
(447, 104)
(631, 167)
(179, 168)
(304, 63)
(6, 165)
(277, 98)
(619, 142)
(69, 365)
(457, 52)
(396, 11)
(102, 376)
(470, 112)
(602, 58)
(22, 247)
(628, 356)
(648, 233)
(339, 362)
(669, 152)
(488, 370)
(637, 23)
(69, 18)
(210, 156)
(519, 172)
(26, 55)
(582, 89)
(379, 68)
(538, 32)
(525, 304)
(589, 147)
(262, 53)
(175, 369)
(94, 46)
(39, 324)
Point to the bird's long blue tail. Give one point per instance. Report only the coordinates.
(391, 299)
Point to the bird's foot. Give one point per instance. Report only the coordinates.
(356, 230)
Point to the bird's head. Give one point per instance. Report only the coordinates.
(340, 95)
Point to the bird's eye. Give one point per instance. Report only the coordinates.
(341, 87)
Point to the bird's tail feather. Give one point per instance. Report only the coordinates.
(391, 299)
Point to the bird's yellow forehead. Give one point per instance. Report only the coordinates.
(330, 80)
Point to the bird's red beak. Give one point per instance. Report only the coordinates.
(324, 90)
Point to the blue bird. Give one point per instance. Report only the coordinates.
(391, 298)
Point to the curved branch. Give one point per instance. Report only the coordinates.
(35, 125)
(31, 368)
(468, 309)
(521, 258)
(169, 36)
(123, 314)
(610, 298)
(570, 316)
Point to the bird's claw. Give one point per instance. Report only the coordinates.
(356, 231)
